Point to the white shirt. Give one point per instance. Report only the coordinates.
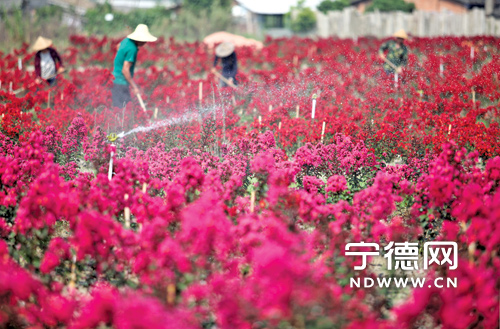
(47, 65)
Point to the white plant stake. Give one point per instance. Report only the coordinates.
(323, 132)
(472, 52)
(396, 78)
(10, 87)
(200, 92)
(297, 113)
(19, 64)
(441, 68)
(314, 106)
(110, 172)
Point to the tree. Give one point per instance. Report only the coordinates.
(199, 5)
(305, 21)
(329, 5)
(391, 5)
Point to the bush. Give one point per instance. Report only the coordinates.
(328, 5)
(96, 24)
(207, 5)
(391, 5)
(305, 21)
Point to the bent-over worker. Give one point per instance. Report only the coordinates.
(124, 65)
(225, 51)
(397, 55)
(48, 63)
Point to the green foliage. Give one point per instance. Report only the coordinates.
(391, 5)
(205, 5)
(96, 24)
(305, 21)
(329, 5)
(190, 23)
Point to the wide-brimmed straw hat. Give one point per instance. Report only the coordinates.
(224, 49)
(41, 43)
(142, 34)
(400, 34)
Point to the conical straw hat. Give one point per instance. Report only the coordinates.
(142, 34)
(400, 34)
(41, 43)
(224, 49)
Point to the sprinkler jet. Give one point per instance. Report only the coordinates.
(113, 137)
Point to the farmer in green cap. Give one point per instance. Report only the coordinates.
(124, 65)
(397, 55)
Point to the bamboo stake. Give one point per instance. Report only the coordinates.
(449, 129)
(144, 187)
(126, 213)
(223, 124)
(260, 120)
(10, 87)
(200, 92)
(471, 250)
(48, 100)
(323, 132)
(155, 115)
(473, 97)
(252, 201)
(234, 100)
(170, 293)
(167, 100)
(279, 125)
(141, 102)
(72, 281)
(270, 108)
(297, 112)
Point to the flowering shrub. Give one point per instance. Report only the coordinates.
(234, 211)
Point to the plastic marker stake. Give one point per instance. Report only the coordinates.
(323, 132)
(19, 64)
(314, 106)
(441, 69)
(200, 91)
(110, 172)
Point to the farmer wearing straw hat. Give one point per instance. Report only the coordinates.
(397, 55)
(48, 63)
(123, 70)
(225, 51)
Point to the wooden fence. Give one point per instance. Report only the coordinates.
(350, 23)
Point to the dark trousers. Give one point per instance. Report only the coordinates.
(120, 95)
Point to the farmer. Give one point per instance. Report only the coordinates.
(225, 51)
(48, 63)
(124, 65)
(397, 55)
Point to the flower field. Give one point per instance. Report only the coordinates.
(233, 208)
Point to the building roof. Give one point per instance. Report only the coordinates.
(274, 7)
(465, 3)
